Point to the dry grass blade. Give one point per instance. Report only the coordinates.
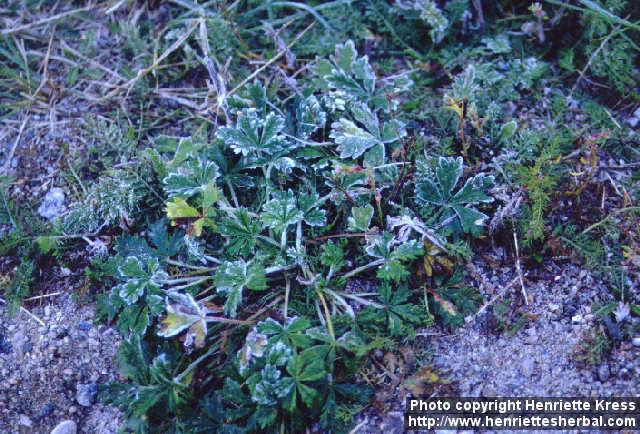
(145, 71)
(7, 162)
(47, 20)
(271, 61)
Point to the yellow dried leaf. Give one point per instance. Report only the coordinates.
(445, 304)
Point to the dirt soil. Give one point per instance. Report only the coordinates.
(49, 373)
(539, 353)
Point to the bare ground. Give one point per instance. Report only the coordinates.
(49, 373)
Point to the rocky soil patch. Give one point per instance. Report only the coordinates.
(543, 357)
(49, 374)
(538, 354)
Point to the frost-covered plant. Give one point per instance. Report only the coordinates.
(433, 16)
(243, 214)
(437, 187)
(108, 201)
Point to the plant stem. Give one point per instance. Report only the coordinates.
(196, 362)
(233, 193)
(613, 213)
(326, 314)
(192, 267)
(363, 268)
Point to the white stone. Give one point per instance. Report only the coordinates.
(65, 427)
(53, 204)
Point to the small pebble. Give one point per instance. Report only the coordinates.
(65, 427)
(84, 326)
(47, 409)
(53, 204)
(24, 421)
(5, 345)
(86, 394)
(577, 319)
(527, 367)
(603, 372)
(636, 341)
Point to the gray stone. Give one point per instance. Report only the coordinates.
(636, 341)
(603, 372)
(489, 391)
(65, 427)
(53, 204)
(527, 367)
(86, 394)
(25, 421)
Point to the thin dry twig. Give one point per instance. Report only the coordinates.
(270, 61)
(499, 294)
(47, 20)
(592, 57)
(145, 71)
(7, 162)
(38, 297)
(35, 318)
(519, 268)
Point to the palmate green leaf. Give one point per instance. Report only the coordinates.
(240, 230)
(254, 95)
(345, 55)
(232, 277)
(271, 386)
(309, 204)
(192, 178)
(133, 320)
(292, 333)
(165, 244)
(306, 367)
(352, 140)
(408, 251)
(448, 173)
(360, 219)
(278, 354)
(253, 134)
(139, 277)
(399, 313)
(383, 246)
(439, 190)
(281, 211)
(367, 118)
(347, 74)
(349, 342)
(380, 246)
(309, 117)
(473, 191)
(332, 256)
(133, 360)
(392, 270)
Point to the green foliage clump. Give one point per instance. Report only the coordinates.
(242, 215)
(315, 175)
